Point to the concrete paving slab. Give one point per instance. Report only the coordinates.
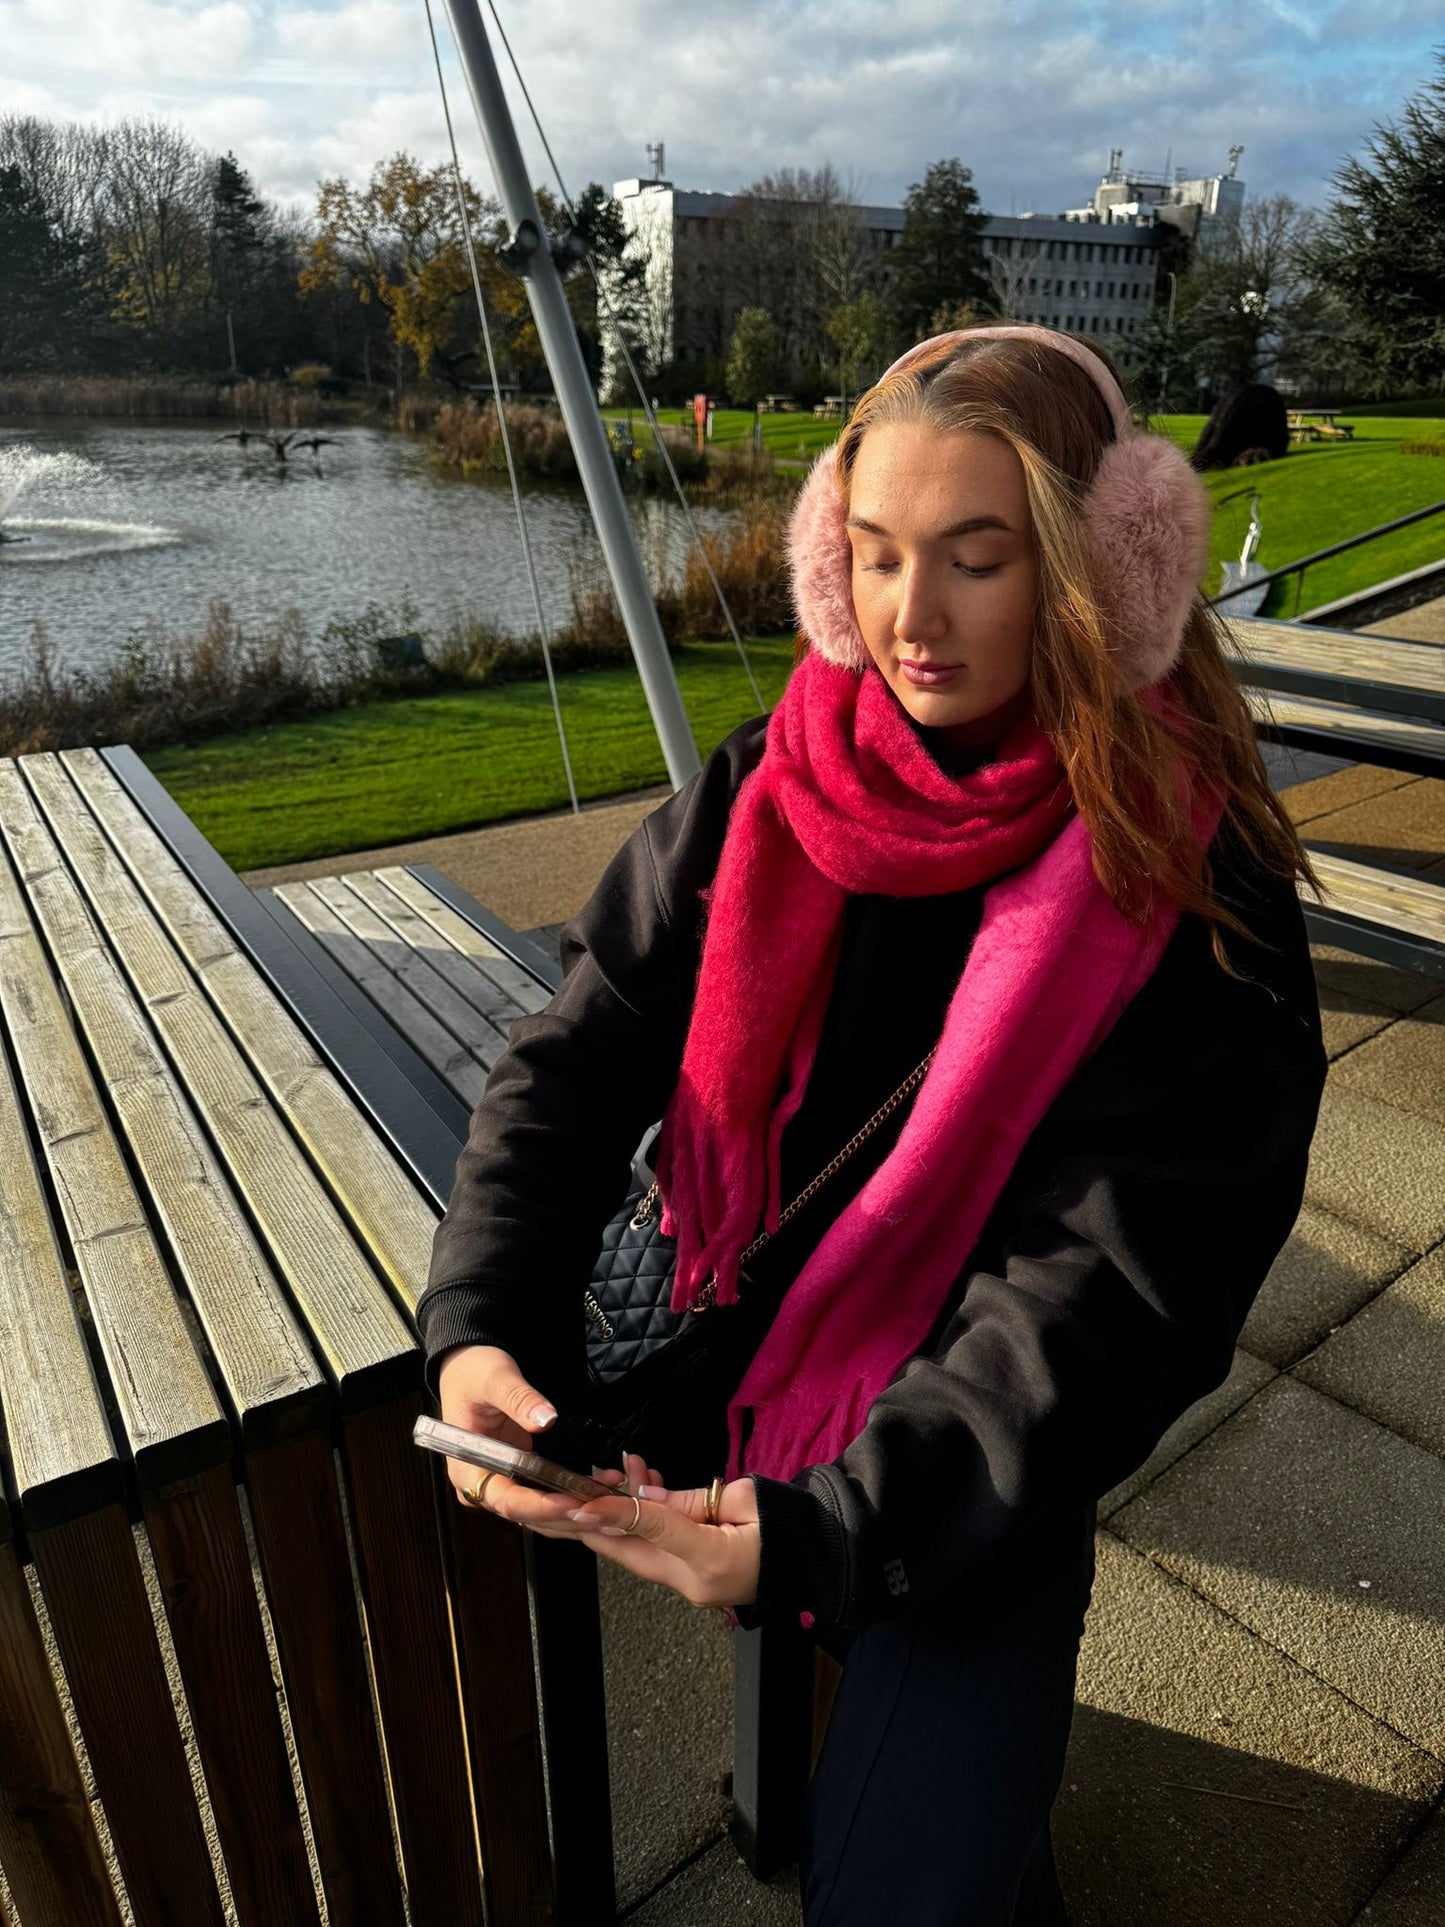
(1246, 1376)
(1326, 1271)
(1424, 623)
(1210, 1779)
(717, 1890)
(1401, 828)
(668, 1671)
(1414, 1892)
(1389, 1360)
(1323, 1533)
(1375, 983)
(1346, 1021)
(538, 869)
(1379, 1167)
(1404, 1065)
(1340, 790)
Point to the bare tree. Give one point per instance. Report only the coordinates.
(1009, 273)
(155, 218)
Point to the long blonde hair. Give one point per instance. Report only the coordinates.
(1124, 761)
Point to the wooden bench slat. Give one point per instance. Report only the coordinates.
(461, 972)
(172, 1416)
(62, 1456)
(354, 1325)
(434, 1042)
(1356, 729)
(522, 988)
(1412, 904)
(412, 969)
(1342, 655)
(391, 1215)
(48, 1843)
(260, 1351)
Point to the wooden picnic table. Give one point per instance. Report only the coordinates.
(223, 1174)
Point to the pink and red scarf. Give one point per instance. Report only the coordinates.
(848, 800)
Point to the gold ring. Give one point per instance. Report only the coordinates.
(712, 1504)
(636, 1514)
(473, 1493)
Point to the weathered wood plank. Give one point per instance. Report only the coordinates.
(477, 990)
(1384, 733)
(270, 1376)
(446, 1054)
(296, 1510)
(519, 985)
(172, 1416)
(391, 1215)
(48, 1844)
(359, 1335)
(62, 1457)
(391, 1499)
(488, 1591)
(204, 1567)
(1412, 904)
(1341, 654)
(94, 1593)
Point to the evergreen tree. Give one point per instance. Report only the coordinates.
(41, 289)
(1381, 247)
(938, 261)
(754, 356)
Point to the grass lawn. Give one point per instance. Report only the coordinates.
(1324, 492)
(421, 766)
(790, 438)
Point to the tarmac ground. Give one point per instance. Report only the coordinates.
(1260, 1724)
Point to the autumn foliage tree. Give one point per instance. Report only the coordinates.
(398, 241)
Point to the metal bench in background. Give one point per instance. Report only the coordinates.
(1369, 699)
(216, 1210)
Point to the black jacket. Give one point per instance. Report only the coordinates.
(1104, 1295)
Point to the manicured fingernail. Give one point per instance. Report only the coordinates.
(613, 1532)
(541, 1415)
(579, 1514)
(649, 1492)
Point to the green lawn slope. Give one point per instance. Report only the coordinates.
(421, 766)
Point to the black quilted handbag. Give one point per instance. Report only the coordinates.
(660, 1380)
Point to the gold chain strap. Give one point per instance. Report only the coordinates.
(707, 1293)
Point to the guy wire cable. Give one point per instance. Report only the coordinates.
(632, 369)
(502, 414)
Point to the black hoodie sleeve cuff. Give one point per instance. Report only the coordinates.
(803, 1553)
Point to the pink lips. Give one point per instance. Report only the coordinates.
(928, 675)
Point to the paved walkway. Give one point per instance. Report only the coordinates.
(1424, 623)
(1260, 1733)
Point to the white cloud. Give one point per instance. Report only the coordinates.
(739, 87)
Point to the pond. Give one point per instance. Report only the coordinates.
(104, 524)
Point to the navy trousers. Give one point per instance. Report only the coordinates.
(930, 1801)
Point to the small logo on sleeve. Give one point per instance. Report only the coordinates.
(896, 1577)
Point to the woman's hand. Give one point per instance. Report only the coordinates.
(483, 1390)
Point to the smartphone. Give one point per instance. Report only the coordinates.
(528, 1468)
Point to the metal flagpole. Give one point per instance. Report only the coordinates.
(530, 256)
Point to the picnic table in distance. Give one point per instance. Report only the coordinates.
(1319, 424)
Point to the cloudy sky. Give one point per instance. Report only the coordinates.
(1031, 96)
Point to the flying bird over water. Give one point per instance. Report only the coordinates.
(281, 445)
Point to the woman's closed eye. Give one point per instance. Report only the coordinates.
(887, 568)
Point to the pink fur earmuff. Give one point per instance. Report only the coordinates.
(1146, 520)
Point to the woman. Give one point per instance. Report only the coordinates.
(1008, 826)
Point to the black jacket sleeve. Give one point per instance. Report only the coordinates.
(549, 1149)
(1103, 1299)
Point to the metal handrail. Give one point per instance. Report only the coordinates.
(1320, 555)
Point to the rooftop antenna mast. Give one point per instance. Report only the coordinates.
(655, 153)
(529, 256)
(1234, 154)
